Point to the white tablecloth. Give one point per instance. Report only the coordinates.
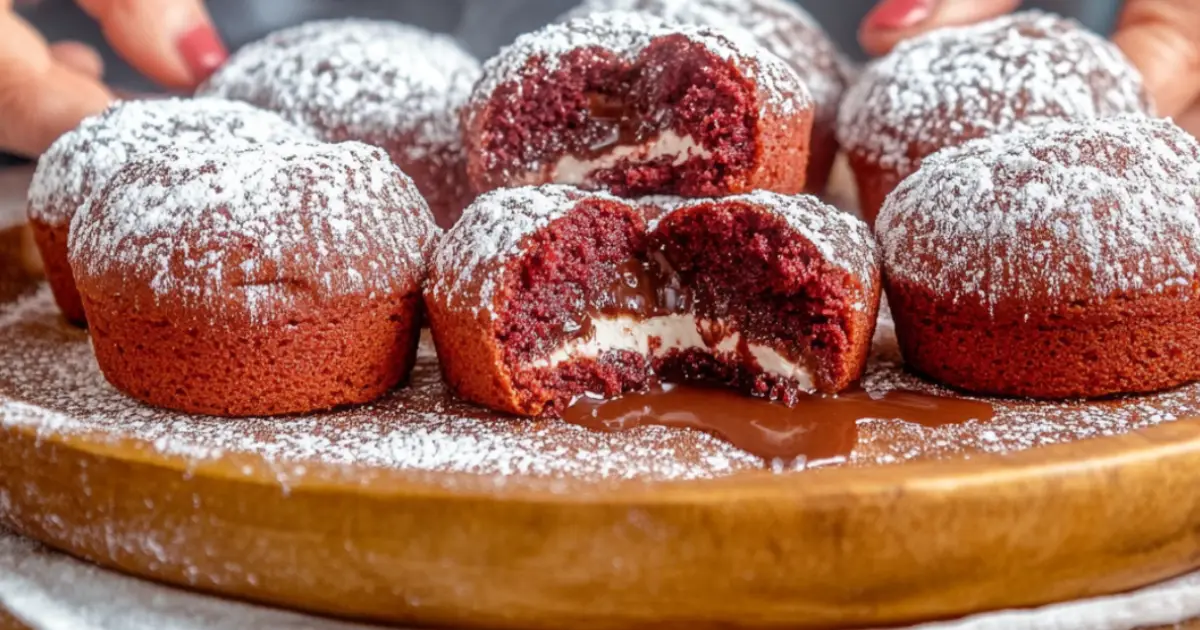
(50, 591)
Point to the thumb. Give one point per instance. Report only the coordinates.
(171, 41)
(1162, 38)
(893, 21)
(40, 96)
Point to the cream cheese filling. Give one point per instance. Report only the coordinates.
(675, 332)
(576, 171)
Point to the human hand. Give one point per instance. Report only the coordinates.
(1160, 37)
(46, 89)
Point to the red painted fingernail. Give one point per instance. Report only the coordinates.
(891, 15)
(202, 51)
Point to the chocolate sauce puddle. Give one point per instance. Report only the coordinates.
(817, 430)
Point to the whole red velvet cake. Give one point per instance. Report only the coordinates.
(626, 102)
(383, 83)
(543, 294)
(1055, 262)
(81, 161)
(782, 28)
(957, 84)
(276, 280)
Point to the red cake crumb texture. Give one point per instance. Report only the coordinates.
(1052, 262)
(957, 84)
(81, 161)
(628, 103)
(785, 30)
(543, 294)
(280, 279)
(383, 83)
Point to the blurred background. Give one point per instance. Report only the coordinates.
(482, 25)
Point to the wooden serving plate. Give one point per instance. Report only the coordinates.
(420, 509)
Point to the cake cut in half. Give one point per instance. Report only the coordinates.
(781, 27)
(544, 294)
(630, 104)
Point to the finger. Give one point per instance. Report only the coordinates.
(893, 21)
(40, 99)
(1190, 120)
(171, 41)
(78, 57)
(1162, 38)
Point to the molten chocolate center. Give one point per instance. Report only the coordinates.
(816, 430)
(621, 123)
(812, 431)
(643, 290)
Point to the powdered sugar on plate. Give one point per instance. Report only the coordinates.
(333, 219)
(535, 55)
(781, 27)
(355, 79)
(1071, 211)
(49, 383)
(955, 84)
(81, 161)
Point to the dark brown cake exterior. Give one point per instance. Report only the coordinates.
(277, 280)
(626, 103)
(82, 160)
(383, 83)
(784, 29)
(1057, 262)
(544, 294)
(956, 84)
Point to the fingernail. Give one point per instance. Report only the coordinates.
(202, 51)
(891, 15)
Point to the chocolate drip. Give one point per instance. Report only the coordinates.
(816, 430)
(621, 123)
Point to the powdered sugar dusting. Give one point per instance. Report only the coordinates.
(81, 161)
(49, 383)
(1071, 211)
(56, 388)
(492, 230)
(843, 240)
(206, 228)
(354, 79)
(959, 83)
(625, 34)
(780, 27)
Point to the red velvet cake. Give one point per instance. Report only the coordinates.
(784, 29)
(383, 83)
(1056, 262)
(276, 280)
(627, 103)
(957, 84)
(82, 160)
(544, 294)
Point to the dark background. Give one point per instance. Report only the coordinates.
(483, 25)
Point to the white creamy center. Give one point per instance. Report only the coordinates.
(573, 170)
(672, 333)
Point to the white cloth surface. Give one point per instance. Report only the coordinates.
(47, 590)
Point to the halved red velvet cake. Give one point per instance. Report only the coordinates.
(543, 294)
(626, 102)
